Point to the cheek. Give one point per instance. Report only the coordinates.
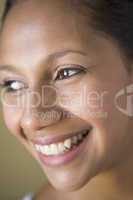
(88, 99)
(112, 138)
(93, 102)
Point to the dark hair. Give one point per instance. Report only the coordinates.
(8, 5)
(114, 17)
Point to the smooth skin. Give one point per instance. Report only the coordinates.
(33, 31)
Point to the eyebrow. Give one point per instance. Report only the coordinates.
(55, 55)
(65, 52)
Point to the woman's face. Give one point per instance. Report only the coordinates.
(38, 41)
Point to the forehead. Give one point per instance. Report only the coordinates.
(37, 15)
(34, 27)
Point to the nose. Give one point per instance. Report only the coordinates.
(35, 117)
(34, 120)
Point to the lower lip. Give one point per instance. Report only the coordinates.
(57, 160)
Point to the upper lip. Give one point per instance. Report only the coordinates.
(42, 140)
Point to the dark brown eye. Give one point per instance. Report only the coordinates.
(12, 86)
(67, 73)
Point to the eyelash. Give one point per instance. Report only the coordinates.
(69, 69)
(7, 83)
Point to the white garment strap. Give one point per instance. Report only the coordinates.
(28, 197)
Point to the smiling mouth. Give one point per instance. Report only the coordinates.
(64, 146)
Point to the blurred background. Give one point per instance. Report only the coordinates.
(19, 172)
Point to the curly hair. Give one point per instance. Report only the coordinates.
(114, 17)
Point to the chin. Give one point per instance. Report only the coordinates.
(70, 181)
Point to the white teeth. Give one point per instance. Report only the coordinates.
(59, 148)
(42, 149)
(74, 139)
(47, 150)
(67, 143)
(54, 149)
(80, 136)
(38, 147)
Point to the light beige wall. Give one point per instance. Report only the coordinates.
(19, 173)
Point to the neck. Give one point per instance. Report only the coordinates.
(116, 183)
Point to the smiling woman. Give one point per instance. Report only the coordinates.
(62, 64)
